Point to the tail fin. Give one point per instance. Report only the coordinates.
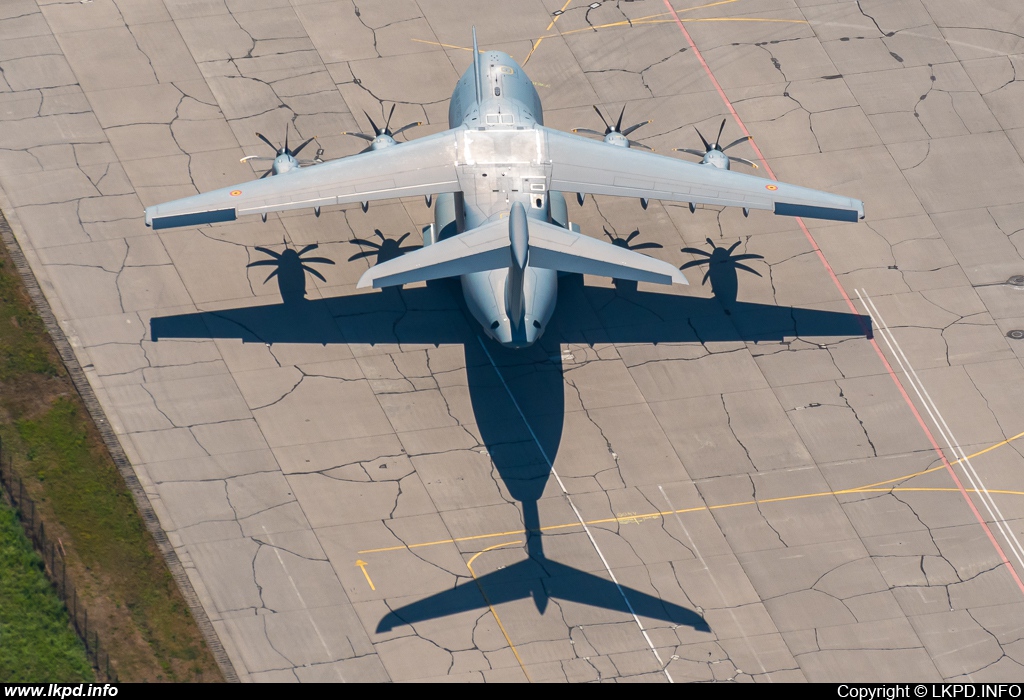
(476, 71)
(490, 247)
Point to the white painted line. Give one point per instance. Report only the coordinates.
(302, 600)
(940, 423)
(579, 517)
(714, 582)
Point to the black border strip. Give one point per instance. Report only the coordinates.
(809, 212)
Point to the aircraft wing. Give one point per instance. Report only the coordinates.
(420, 167)
(594, 167)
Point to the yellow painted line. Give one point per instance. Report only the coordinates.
(942, 467)
(627, 518)
(537, 43)
(447, 46)
(362, 565)
(469, 565)
(649, 19)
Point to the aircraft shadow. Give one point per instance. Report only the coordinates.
(517, 396)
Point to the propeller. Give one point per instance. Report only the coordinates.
(382, 138)
(614, 133)
(284, 159)
(713, 154)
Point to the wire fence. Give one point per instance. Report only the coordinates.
(55, 565)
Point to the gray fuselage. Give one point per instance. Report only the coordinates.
(498, 176)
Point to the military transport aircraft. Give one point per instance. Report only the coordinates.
(501, 224)
(498, 176)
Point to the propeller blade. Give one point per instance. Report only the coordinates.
(248, 158)
(747, 256)
(404, 236)
(743, 160)
(364, 242)
(637, 144)
(633, 128)
(636, 232)
(587, 131)
(314, 273)
(748, 269)
(649, 245)
(374, 126)
(718, 139)
(311, 246)
(265, 140)
(388, 122)
(357, 135)
(271, 275)
(606, 124)
(707, 146)
(618, 124)
(266, 173)
(706, 275)
(259, 263)
(286, 125)
(301, 146)
(737, 142)
(365, 150)
(363, 254)
(318, 261)
(691, 151)
(733, 247)
(692, 263)
(407, 126)
(580, 197)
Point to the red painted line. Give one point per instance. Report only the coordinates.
(849, 302)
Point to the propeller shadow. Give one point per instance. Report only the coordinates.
(722, 267)
(517, 396)
(290, 268)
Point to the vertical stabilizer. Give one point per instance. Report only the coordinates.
(519, 241)
(476, 70)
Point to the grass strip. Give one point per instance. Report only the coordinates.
(142, 619)
(37, 645)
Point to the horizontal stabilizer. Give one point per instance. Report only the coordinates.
(483, 248)
(556, 248)
(550, 246)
